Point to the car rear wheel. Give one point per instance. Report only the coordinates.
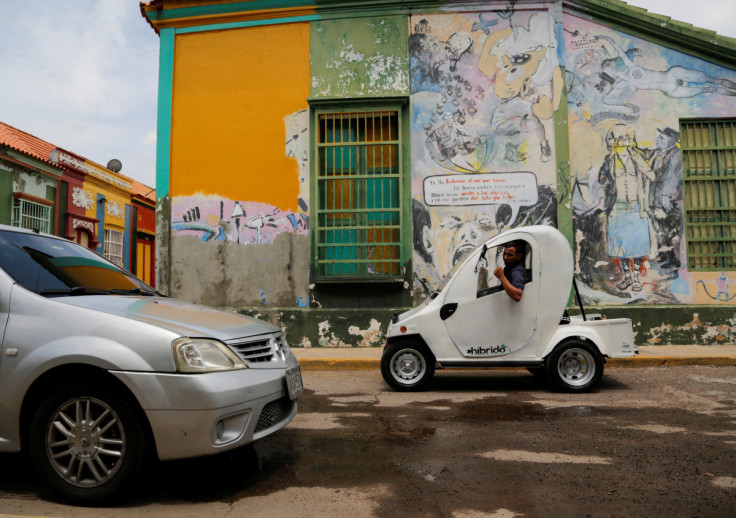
(407, 366)
(575, 366)
(87, 443)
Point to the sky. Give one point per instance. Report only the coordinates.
(83, 74)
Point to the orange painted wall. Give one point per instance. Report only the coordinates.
(231, 92)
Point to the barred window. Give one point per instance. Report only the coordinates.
(709, 173)
(358, 194)
(31, 215)
(113, 250)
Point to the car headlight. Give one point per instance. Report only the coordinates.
(202, 355)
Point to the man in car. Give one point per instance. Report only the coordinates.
(513, 275)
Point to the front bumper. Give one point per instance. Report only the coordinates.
(202, 414)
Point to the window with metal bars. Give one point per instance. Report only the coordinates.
(34, 216)
(358, 191)
(709, 174)
(113, 250)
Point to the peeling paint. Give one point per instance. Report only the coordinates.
(372, 336)
(329, 341)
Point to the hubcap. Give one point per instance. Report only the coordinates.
(407, 366)
(576, 366)
(85, 442)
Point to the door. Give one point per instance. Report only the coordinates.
(486, 321)
(144, 260)
(81, 237)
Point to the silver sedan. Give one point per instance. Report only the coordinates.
(100, 374)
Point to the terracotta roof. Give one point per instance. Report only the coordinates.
(26, 143)
(143, 190)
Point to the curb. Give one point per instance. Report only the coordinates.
(640, 362)
(324, 364)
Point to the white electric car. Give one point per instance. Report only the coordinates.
(470, 321)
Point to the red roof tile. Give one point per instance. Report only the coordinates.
(25, 143)
(144, 190)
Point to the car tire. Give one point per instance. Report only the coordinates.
(407, 366)
(574, 366)
(87, 443)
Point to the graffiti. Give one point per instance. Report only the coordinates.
(245, 223)
(521, 60)
(483, 91)
(665, 198)
(625, 175)
(511, 189)
(617, 77)
(722, 284)
(483, 25)
(444, 236)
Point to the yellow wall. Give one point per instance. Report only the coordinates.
(231, 92)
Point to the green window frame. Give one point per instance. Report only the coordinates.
(359, 205)
(709, 192)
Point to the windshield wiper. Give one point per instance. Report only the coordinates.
(133, 291)
(76, 290)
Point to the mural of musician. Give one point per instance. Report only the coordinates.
(626, 175)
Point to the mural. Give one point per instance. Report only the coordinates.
(484, 90)
(218, 218)
(625, 99)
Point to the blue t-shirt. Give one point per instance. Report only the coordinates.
(516, 275)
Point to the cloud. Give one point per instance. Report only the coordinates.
(82, 75)
(716, 15)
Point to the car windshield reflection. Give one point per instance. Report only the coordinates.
(63, 268)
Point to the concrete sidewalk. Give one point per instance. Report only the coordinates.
(363, 358)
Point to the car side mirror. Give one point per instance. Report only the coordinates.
(448, 310)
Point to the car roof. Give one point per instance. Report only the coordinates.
(21, 230)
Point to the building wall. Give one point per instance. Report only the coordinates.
(619, 83)
(483, 143)
(510, 111)
(239, 145)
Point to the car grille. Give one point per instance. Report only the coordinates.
(274, 412)
(262, 349)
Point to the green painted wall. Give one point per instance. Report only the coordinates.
(663, 325)
(360, 57)
(6, 193)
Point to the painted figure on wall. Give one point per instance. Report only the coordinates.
(626, 176)
(606, 77)
(665, 199)
(484, 90)
(522, 61)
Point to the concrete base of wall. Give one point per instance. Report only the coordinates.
(660, 325)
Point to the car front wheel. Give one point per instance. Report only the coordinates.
(575, 366)
(87, 443)
(407, 366)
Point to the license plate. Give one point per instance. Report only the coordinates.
(294, 382)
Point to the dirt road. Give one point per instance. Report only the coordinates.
(649, 442)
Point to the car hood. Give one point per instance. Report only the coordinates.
(181, 317)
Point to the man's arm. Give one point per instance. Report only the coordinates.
(511, 290)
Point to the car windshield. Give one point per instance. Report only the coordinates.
(55, 267)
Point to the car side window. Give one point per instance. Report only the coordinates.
(488, 283)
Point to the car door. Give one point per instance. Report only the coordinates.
(486, 322)
(6, 286)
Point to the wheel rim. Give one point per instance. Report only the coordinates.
(85, 442)
(408, 366)
(576, 366)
